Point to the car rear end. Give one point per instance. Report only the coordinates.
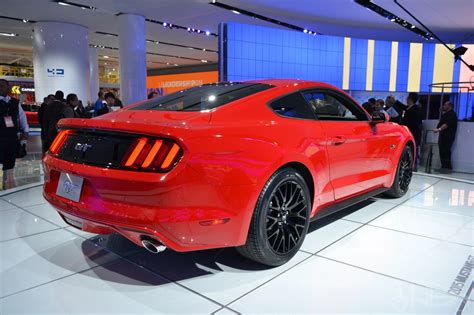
(134, 172)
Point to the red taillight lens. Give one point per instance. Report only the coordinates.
(58, 141)
(152, 154)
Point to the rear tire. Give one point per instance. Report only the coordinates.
(403, 176)
(280, 220)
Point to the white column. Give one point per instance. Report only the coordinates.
(94, 73)
(61, 59)
(132, 49)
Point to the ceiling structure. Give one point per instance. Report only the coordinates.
(452, 21)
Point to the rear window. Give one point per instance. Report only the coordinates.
(203, 97)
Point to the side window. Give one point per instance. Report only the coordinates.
(292, 105)
(327, 107)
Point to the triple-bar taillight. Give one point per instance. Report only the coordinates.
(152, 154)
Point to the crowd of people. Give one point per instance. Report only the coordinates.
(410, 115)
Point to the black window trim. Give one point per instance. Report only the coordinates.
(341, 98)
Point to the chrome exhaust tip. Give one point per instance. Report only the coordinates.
(153, 245)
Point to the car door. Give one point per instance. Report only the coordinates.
(356, 161)
(311, 142)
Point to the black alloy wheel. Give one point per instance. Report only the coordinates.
(403, 175)
(280, 220)
(286, 217)
(405, 170)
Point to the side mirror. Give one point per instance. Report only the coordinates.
(379, 117)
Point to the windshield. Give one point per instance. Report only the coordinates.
(203, 97)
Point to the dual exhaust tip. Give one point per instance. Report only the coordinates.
(152, 245)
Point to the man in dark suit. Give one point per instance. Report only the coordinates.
(412, 118)
(447, 127)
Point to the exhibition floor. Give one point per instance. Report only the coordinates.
(408, 255)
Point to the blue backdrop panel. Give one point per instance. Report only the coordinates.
(382, 59)
(256, 52)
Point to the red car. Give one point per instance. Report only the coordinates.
(245, 164)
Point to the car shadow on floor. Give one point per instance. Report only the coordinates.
(178, 266)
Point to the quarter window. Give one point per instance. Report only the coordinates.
(327, 106)
(292, 105)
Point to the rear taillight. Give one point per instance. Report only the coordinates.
(152, 154)
(59, 141)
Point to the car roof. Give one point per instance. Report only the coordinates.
(294, 82)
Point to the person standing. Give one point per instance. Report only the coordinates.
(12, 122)
(446, 128)
(53, 113)
(412, 118)
(99, 104)
(59, 95)
(75, 104)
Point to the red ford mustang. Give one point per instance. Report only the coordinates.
(244, 165)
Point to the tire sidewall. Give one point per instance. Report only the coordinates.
(275, 181)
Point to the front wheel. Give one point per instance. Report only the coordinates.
(280, 219)
(403, 176)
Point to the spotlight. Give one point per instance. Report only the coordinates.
(235, 11)
(208, 33)
(165, 24)
(8, 34)
(305, 31)
(189, 29)
(413, 26)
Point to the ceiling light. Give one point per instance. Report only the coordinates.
(8, 34)
(211, 98)
(63, 3)
(305, 31)
(106, 57)
(393, 17)
(202, 60)
(25, 21)
(176, 65)
(208, 33)
(237, 10)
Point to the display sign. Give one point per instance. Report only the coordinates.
(55, 72)
(169, 83)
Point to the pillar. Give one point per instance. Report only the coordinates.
(132, 59)
(61, 59)
(94, 73)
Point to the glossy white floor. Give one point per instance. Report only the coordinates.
(409, 255)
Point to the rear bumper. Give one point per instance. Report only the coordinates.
(177, 208)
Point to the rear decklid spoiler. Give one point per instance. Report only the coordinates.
(138, 121)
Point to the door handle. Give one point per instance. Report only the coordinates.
(338, 140)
